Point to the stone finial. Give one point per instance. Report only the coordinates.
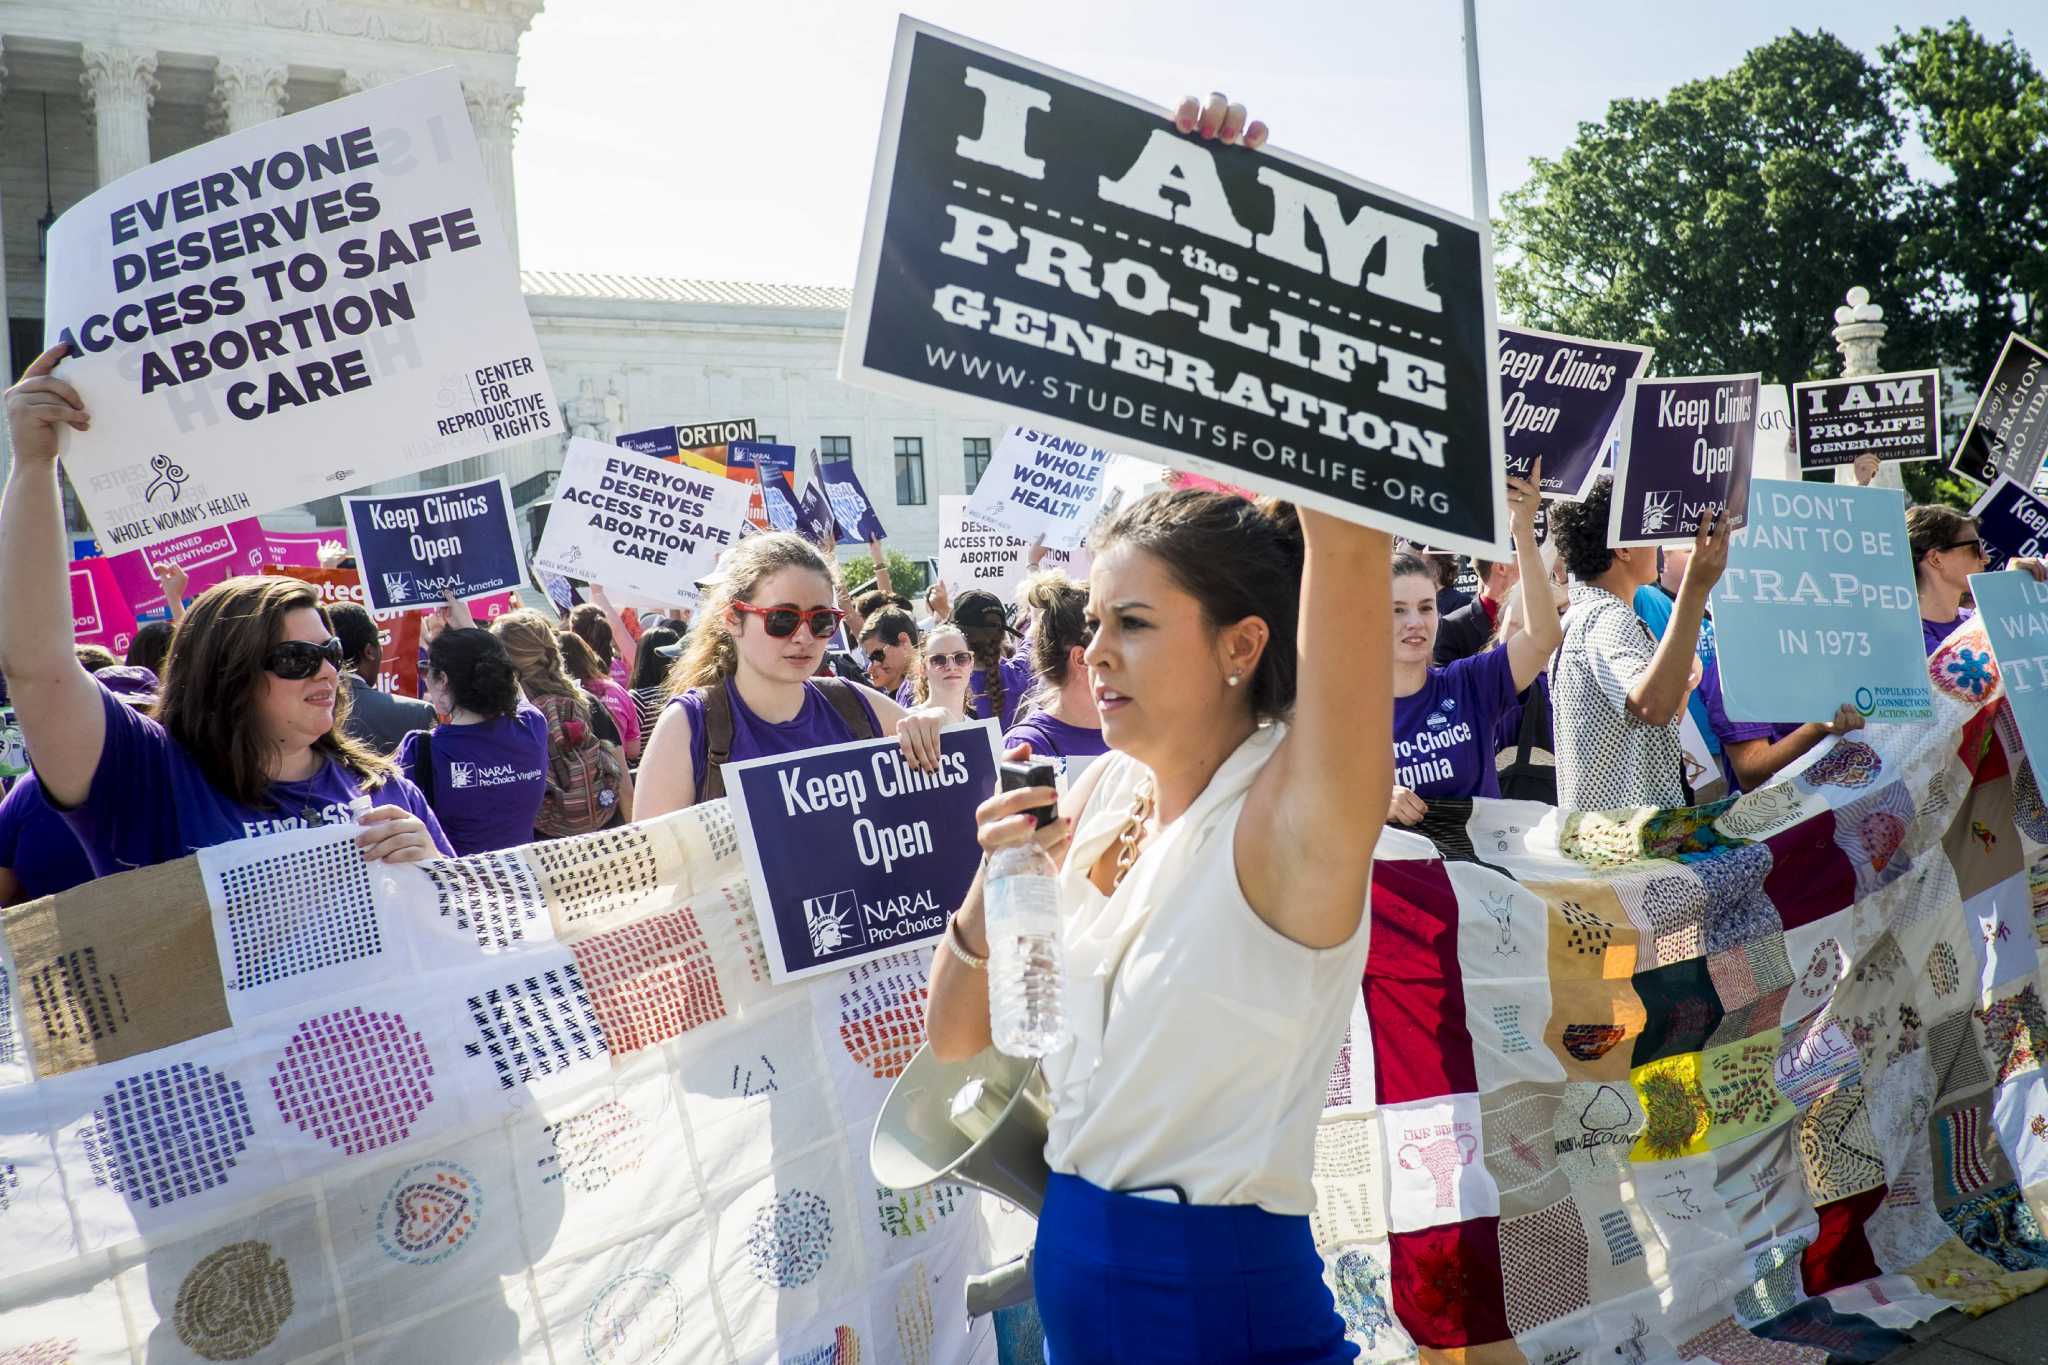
(1859, 332)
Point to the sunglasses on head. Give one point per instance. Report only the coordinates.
(959, 659)
(781, 622)
(297, 660)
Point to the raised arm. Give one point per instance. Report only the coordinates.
(173, 580)
(1659, 693)
(1541, 631)
(55, 700)
(625, 643)
(1305, 840)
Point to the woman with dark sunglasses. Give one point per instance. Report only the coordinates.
(744, 686)
(246, 738)
(1946, 551)
(944, 664)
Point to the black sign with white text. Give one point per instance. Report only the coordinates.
(1047, 245)
(2008, 431)
(1896, 417)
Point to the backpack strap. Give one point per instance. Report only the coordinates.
(717, 740)
(845, 699)
(425, 749)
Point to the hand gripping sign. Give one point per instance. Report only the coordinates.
(296, 309)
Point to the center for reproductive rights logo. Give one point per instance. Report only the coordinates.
(833, 922)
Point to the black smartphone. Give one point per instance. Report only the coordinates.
(1033, 773)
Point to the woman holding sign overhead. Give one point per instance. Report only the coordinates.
(246, 737)
(1445, 718)
(744, 686)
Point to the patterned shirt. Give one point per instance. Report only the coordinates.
(1606, 758)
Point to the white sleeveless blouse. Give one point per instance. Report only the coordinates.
(1203, 1037)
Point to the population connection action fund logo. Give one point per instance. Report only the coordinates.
(833, 922)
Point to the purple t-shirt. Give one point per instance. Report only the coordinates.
(1051, 737)
(489, 778)
(150, 802)
(37, 846)
(1017, 679)
(1732, 731)
(1443, 733)
(815, 725)
(1934, 632)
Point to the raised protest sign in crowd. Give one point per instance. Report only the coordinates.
(1192, 928)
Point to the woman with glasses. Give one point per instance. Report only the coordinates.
(1946, 551)
(247, 734)
(943, 667)
(744, 686)
(1445, 718)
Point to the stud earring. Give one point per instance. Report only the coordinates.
(1233, 680)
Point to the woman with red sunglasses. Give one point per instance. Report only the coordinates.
(745, 685)
(246, 736)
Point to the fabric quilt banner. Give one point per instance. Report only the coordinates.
(535, 1105)
(1756, 1081)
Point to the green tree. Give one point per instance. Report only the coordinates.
(906, 575)
(1981, 111)
(1722, 223)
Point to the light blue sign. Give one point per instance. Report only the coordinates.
(1818, 607)
(2014, 609)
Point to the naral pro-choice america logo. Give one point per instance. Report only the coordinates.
(833, 922)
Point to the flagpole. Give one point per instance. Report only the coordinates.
(1475, 118)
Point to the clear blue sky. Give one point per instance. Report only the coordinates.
(735, 141)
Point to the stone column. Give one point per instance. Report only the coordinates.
(1859, 332)
(494, 112)
(120, 86)
(247, 93)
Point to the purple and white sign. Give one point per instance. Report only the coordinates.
(1686, 450)
(2012, 522)
(207, 557)
(657, 441)
(413, 549)
(852, 510)
(887, 851)
(2008, 431)
(1560, 398)
(814, 514)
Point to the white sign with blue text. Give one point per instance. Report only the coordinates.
(1818, 607)
(853, 853)
(1042, 486)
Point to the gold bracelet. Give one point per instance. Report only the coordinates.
(959, 949)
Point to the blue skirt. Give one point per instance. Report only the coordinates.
(1127, 1280)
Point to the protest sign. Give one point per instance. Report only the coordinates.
(1046, 244)
(2012, 523)
(778, 494)
(100, 615)
(642, 525)
(413, 549)
(1775, 456)
(2014, 609)
(1817, 607)
(659, 442)
(206, 556)
(887, 851)
(1896, 417)
(814, 514)
(300, 547)
(13, 748)
(1686, 447)
(2008, 431)
(398, 668)
(1042, 487)
(1560, 399)
(311, 304)
(756, 464)
(853, 512)
(975, 555)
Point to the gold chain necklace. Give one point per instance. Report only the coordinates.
(1132, 834)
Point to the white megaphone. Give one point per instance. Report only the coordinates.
(983, 1122)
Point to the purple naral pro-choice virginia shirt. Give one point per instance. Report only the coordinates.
(489, 778)
(1443, 733)
(37, 846)
(815, 726)
(150, 803)
(1932, 633)
(1051, 737)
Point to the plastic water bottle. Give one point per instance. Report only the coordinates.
(1026, 965)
